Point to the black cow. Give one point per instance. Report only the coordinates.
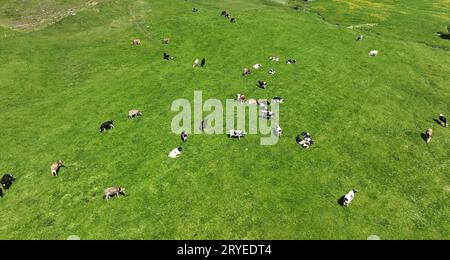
(106, 126)
(194, 10)
(227, 15)
(7, 181)
(233, 20)
(166, 56)
(1, 193)
(203, 62)
(224, 13)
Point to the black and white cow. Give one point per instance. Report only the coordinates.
(278, 100)
(233, 20)
(184, 136)
(291, 61)
(348, 198)
(236, 134)
(106, 126)
(262, 84)
(443, 120)
(166, 56)
(7, 181)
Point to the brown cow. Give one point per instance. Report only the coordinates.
(429, 135)
(245, 71)
(55, 167)
(114, 191)
(166, 41)
(134, 113)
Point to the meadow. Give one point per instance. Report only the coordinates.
(67, 66)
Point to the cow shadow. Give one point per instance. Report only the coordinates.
(445, 36)
(437, 121)
(341, 201)
(424, 137)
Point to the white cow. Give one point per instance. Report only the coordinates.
(257, 66)
(373, 53)
(196, 62)
(348, 198)
(273, 58)
(175, 153)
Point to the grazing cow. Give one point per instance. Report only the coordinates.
(136, 42)
(1, 193)
(291, 61)
(443, 120)
(106, 126)
(273, 58)
(184, 136)
(263, 103)
(227, 15)
(257, 66)
(233, 20)
(196, 62)
(55, 167)
(360, 38)
(114, 191)
(348, 198)
(278, 100)
(429, 135)
(278, 131)
(7, 181)
(175, 153)
(240, 98)
(262, 84)
(166, 41)
(203, 62)
(224, 13)
(166, 56)
(236, 134)
(373, 53)
(246, 71)
(134, 113)
(272, 71)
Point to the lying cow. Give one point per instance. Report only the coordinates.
(114, 191)
(252, 101)
(134, 113)
(224, 13)
(373, 53)
(7, 181)
(275, 59)
(246, 71)
(236, 134)
(166, 41)
(175, 152)
(360, 38)
(136, 42)
(291, 61)
(233, 20)
(272, 72)
(278, 100)
(55, 167)
(267, 114)
(166, 56)
(195, 10)
(443, 120)
(240, 98)
(106, 126)
(428, 135)
(257, 66)
(348, 198)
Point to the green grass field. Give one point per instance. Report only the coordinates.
(67, 66)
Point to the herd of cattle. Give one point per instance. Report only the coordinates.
(303, 139)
